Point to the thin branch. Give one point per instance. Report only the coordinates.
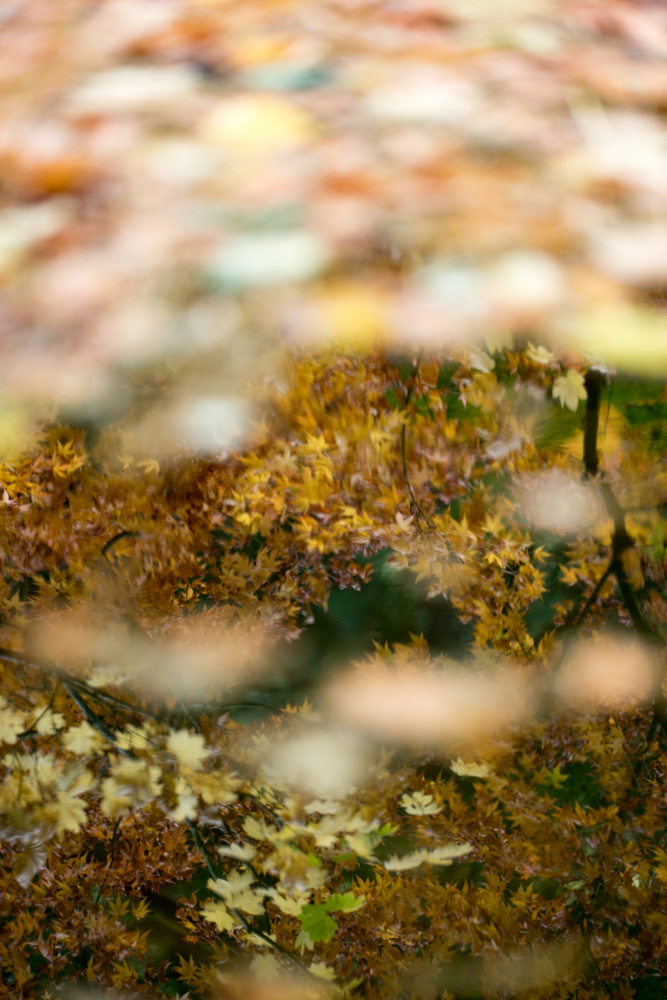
(95, 720)
(125, 706)
(269, 812)
(593, 598)
(112, 844)
(117, 538)
(606, 419)
(222, 707)
(622, 540)
(413, 498)
(65, 678)
(199, 844)
(32, 732)
(95, 694)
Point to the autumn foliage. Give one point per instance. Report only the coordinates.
(428, 826)
(333, 604)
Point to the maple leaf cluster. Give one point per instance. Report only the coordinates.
(482, 826)
(311, 297)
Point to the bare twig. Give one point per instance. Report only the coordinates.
(621, 541)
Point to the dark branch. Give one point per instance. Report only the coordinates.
(66, 678)
(117, 538)
(621, 541)
(593, 381)
(95, 720)
(95, 694)
(593, 598)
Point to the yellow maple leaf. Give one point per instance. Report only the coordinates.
(83, 739)
(249, 902)
(540, 355)
(265, 967)
(242, 852)
(236, 883)
(493, 524)
(569, 389)
(140, 909)
(188, 748)
(47, 723)
(439, 856)
(11, 723)
(217, 913)
(472, 770)
(480, 361)
(131, 783)
(323, 971)
(284, 903)
(28, 862)
(570, 576)
(419, 804)
(70, 813)
(150, 465)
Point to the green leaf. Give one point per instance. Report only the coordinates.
(423, 406)
(386, 830)
(406, 367)
(347, 902)
(393, 399)
(317, 923)
(447, 370)
(553, 778)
